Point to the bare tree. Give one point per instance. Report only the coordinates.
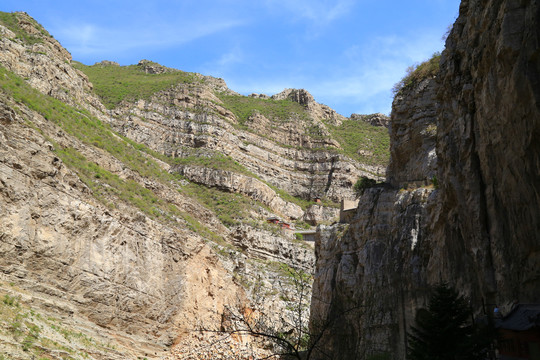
(285, 336)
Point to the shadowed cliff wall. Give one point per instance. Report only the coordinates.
(480, 230)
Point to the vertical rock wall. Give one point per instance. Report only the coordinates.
(413, 130)
(480, 230)
(489, 148)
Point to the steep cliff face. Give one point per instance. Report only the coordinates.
(370, 274)
(479, 230)
(101, 233)
(488, 146)
(360, 276)
(413, 129)
(117, 268)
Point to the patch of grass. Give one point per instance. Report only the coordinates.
(363, 142)
(212, 160)
(114, 84)
(418, 72)
(218, 161)
(279, 110)
(105, 184)
(13, 22)
(195, 226)
(31, 337)
(10, 300)
(231, 209)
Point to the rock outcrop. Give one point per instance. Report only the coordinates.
(479, 230)
(316, 214)
(263, 244)
(318, 111)
(377, 119)
(413, 130)
(237, 183)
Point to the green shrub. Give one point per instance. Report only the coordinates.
(362, 184)
(435, 182)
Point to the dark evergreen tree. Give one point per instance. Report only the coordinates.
(444, 331)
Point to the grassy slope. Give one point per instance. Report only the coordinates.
(356, 135)
(231, 209)
(279, 110)
(91, 131)
(11, 21)
(114, 84)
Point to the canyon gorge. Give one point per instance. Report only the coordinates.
(141, 205)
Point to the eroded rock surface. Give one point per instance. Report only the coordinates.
(479, 231)
(413, 130)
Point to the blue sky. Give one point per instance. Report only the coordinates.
(347, 53)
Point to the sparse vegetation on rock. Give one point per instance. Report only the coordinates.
(362, 184)
(114, 84)
(418, 72)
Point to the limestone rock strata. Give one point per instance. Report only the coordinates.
(190, 116)
(124, 272)
(265, 245)
(141, 283)
(237, 183)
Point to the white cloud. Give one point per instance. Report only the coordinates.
(225, 64)
(359, 80)
(90, 39)
(320, 11)
(365, 74)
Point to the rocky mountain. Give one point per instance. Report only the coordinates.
(134, 201)
(462, 196)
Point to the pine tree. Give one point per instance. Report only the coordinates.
(443, 332)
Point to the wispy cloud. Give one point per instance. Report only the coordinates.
(320, 11)
(360, 80)
(353, 81)
(226, 64)
(91, 39)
